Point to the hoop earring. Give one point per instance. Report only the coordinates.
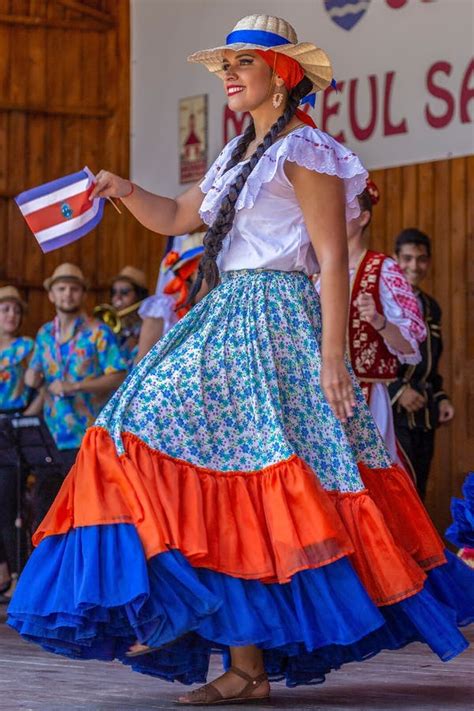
(277, 98)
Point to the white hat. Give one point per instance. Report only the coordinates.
(267, 32)
(191, 247)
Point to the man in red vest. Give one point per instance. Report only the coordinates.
(385, 322)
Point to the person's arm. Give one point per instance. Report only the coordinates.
(150, 333)
(34, 378)
(322, 201)
(101, 385)
(163, 215)
(446, 411)
(36, 405)
(390, 332)
(401, 323)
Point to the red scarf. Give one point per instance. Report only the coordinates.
(290, 71)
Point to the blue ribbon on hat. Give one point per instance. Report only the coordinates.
(311, 98)
(261, 37)
(268, 39)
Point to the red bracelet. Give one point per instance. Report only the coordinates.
(131, 190)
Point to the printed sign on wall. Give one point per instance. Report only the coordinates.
(192, 138)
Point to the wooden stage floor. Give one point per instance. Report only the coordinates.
(411, 679)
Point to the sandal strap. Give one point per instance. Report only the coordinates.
(207, 694)
(253, 682)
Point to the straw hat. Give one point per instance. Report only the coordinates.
(133, 275)
(65, 271)
(11, 293)
(268, 32)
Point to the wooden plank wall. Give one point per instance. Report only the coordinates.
(437, 198)
(65, 103)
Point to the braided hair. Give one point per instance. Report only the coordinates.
(222, 225)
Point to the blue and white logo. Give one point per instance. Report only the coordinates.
(346, 13)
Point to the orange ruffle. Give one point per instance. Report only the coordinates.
(396, 497)
(264, 525)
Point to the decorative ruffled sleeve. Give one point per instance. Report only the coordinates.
(401, 308)
(316, 150)
(159, 306)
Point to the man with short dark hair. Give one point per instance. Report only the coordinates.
(419, 402)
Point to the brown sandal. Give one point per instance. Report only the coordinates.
(209, 695)
(141, 649)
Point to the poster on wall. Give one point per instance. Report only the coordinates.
(192, 138)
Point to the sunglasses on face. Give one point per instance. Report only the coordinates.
(121, 292)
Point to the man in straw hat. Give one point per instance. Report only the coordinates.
(77, 359)
(129, 288)
(236, 485)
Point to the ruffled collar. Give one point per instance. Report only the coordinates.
(309, 147)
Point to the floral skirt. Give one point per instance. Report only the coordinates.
(218, 502)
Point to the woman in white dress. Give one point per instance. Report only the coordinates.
(234, 496)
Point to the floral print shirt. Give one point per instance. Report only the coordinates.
(91, 351)
(14, 359)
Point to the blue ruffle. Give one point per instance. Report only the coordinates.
(91, 593)
(461, 531)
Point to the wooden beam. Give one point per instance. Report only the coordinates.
(79, 111)
(34, 21)
(99, 15)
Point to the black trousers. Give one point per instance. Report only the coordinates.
(418, 446)
(48, 480)
(47, 484)
(10, 505)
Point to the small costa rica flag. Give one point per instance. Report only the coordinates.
(60, 212)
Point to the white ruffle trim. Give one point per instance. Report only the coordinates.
(159, 306)
(308, 147)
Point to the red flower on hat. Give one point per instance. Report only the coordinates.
(179, 286)
(171, 258)
(373, 191)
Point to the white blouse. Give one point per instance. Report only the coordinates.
(269, 230)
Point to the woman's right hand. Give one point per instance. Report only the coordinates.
(337, 387)
(110, 185)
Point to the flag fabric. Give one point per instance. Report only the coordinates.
(60, 212)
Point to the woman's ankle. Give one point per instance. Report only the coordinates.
(248, 659)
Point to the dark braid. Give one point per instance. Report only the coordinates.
(222, 225)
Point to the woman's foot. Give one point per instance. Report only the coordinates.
(138, 649)
(234, 684)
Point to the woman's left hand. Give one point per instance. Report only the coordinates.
(337, 387)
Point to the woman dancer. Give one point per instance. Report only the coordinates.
(234, 495)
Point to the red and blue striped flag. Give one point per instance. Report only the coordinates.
(60, 212)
